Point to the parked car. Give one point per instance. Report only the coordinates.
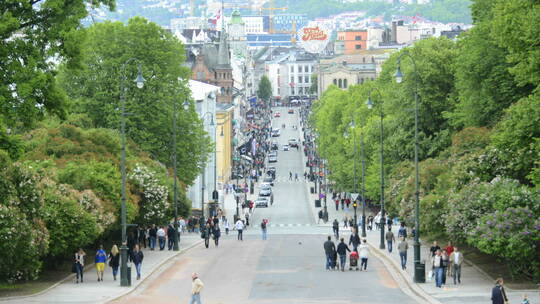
(266, 186)
(271, 170)
(277, 114)
(236, 175)
(291, 111)
(261, 202)
(293, 143)
(269, 180)
(272, 158)
(276, 132)
(285, 147)
(274, 145)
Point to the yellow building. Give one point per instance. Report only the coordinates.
(224, 144)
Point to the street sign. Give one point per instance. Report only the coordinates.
(354, 196)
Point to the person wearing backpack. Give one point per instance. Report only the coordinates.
(263, 229)
(402, 232)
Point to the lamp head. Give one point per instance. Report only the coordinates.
(398, 75)
(369, 102)
(140, 79)
(186, 105)
(211, 120)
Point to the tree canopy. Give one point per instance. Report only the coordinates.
(265, 89)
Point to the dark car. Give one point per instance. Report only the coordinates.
(274, 145)
(291, 111)
(269, 179)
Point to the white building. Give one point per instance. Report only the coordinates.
(290, 73)
(253, 24)
(204, 96)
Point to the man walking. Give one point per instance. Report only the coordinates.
(456, 258)
(330, 251)
(364, 253)
(390, 238)
(196, 288)
(153, 235)
(342, 249)
(403, 246)
(438, 268)
(320, 216)
(161, 238)
(354, 239)
(101, 258)
(263, 229)
(240, 228)
(335, 228)
(170, 236)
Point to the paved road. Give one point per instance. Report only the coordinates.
(284, 269)
(287, 268)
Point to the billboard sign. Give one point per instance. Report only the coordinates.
(313, 39)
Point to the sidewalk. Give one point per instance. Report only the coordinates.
(92, 291)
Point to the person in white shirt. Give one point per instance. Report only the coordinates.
(226, 226)
(161, 238)
(240, 227)
(363, 252)
(457, 259)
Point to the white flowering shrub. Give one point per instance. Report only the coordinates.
(154, 206)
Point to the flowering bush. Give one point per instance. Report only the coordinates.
(154, 206)
(513, 234)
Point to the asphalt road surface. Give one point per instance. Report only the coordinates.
(289, 267)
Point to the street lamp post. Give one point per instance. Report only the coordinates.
(175, 173)
(124, 281)
(363, 184)
(352, 126)
(370, 105)
(203, 176)
(418, 276)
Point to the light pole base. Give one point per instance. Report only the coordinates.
(419, 272)
(125, 275)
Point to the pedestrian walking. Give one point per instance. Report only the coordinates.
(114, 260)
(390, 238)
(170, 236)
(329, 251)
(100, 260)
(337, 204)
(445, 262)
(247, 219)
(161, 238)
(354, 239)
(320, 216)
(498, 294)
(402, 232)
(345, 222)
(296, 174)
(153, 236)
(438, 268)
(290, 175)
(403, 246)
(263, 229)
(240, 228)
(226, 225)
(216, 234)
(449, 250)
(342, 250)
(370, 222)
(196, 288)
(364, 254)
(457, 259)
(137, 257)
(206, 232)
(335, 228)
(142, 236)
(79, 264)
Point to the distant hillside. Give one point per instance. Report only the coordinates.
(445, 11)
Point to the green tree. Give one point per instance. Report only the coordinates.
(265, 89)
(95, 89)
(31, 34)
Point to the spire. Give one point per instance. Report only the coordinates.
(223, 53)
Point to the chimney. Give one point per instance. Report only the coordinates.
(393, 37)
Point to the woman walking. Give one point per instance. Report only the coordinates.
(114, 260)
(216, 232)
(79, 264)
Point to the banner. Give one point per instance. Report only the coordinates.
(313, 39)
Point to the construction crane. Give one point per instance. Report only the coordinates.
(271, 10)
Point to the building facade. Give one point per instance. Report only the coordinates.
(351, 41)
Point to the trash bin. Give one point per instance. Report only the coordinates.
(317, 203)
(419, 272)
(312, 190)
(129, 275)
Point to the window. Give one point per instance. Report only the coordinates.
(299, 79)
(340, 83)
(292, 68)
(300, 91)
(345, 83)
(292, 79)
(358, 47)
(200, 75)
(299, 69)
(357, 38)
(306, 79)
(335, 82)
(278, 71)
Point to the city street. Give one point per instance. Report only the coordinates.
(287, 268)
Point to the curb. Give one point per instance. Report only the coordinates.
(410, 288)
(153, 271)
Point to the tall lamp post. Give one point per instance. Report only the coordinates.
(419, 272)
(203, 176)
(185, 104)
(124, 281)
(370, 105)
(352, 126)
